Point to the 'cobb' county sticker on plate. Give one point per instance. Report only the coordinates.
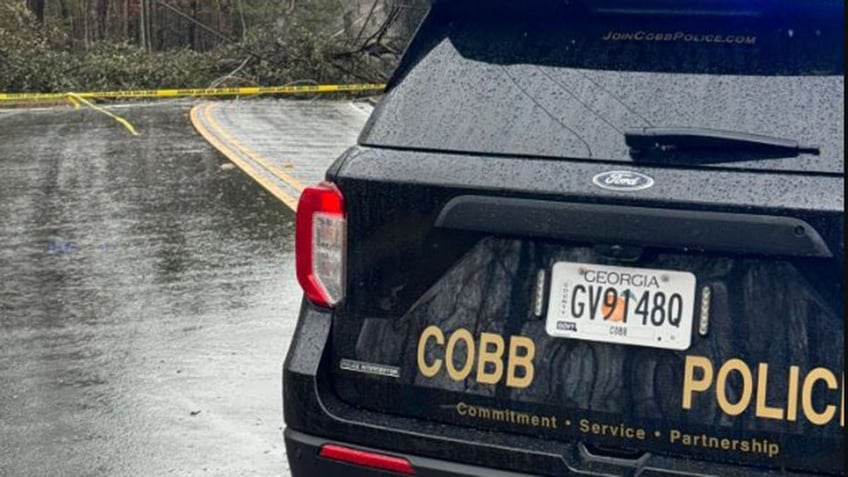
(631, 306)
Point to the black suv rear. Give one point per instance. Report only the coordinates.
(583, 238)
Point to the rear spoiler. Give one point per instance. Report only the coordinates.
(481, 8)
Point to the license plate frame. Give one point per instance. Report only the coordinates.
(649, 307)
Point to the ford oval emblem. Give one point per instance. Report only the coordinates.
(623, 180)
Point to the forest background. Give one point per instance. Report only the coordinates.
(87, 45)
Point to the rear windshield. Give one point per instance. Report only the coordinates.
(570, 86)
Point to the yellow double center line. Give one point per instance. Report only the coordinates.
(227, 145)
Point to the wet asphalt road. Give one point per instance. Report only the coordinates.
(146, 301)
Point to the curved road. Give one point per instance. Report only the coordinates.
(283, 145)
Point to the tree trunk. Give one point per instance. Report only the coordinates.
(102, 19)
(63, 10)
(142, 25)
(149, 16)
(192, 28)
(243, 23)
(219, 18)
(37, 7)
(156, 27)
(84, 14)
(125, 21)
(67, 19)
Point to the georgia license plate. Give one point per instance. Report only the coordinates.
(631, 306)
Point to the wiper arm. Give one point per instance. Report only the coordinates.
(662, 140)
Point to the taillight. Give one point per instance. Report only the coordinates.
(320, 244)
(367, 459)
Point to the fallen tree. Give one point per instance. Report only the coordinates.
(179, 44)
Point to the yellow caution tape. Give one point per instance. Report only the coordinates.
(76, 99)
(196, 92)
(82, 98)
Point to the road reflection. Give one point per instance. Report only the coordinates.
(146, 301)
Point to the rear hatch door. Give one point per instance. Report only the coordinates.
(493, 283)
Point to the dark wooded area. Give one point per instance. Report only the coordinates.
(61, 45)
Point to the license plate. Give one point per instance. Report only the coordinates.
(629, 306)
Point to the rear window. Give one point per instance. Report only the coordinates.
(568, 85)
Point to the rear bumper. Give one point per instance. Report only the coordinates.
(304, 460)
(314, 417)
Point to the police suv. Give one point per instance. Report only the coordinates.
(595, 238)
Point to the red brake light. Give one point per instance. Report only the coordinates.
(367, 459)
(320, 231)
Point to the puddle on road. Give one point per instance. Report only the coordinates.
(147, 297)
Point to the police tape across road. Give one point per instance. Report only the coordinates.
(78, 99)
(196, 92)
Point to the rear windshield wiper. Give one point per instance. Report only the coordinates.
(665, 140)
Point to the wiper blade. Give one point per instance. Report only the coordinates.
(664, 140)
